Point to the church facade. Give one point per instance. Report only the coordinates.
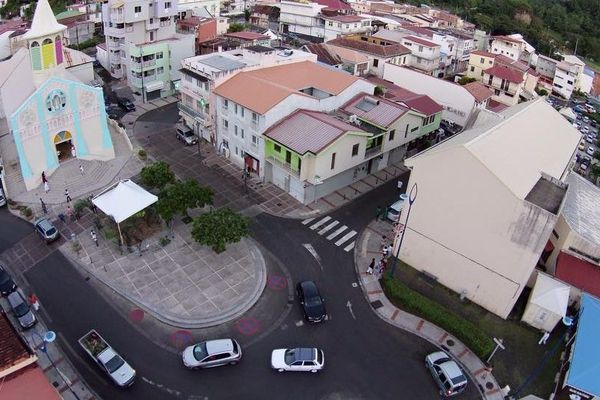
(61, 119)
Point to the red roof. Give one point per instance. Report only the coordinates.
(507, 39)
(577, 272)
(496, 106)
(418, 102)
(29, 383)
(479, 91)
(391, 50)
(246, 35)
(424, 104)
(335, 4)
(323, 54)
(421, 41)
(503, 72)
(419, 30)
(345, 18)
(484, 53)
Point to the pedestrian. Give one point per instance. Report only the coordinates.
(378, 213)
(94, 237)
(371, 266)
(46, 187)
(67, 195)
(44, 208)
(386, 251)
(399, 185)
(81, 169)
(44, 179)
(73, 153)
(34, 302)
(61, 216)
(70, 213)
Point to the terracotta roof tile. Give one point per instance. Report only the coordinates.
(479, 91)
(12, 349)
(483, 53)
(423, 104)
(504, 72)
(371, 48)
(496, 106)
(275, 84)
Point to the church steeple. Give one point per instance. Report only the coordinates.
(44, 40)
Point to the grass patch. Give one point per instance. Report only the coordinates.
(415, 303)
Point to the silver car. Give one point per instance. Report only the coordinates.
(212, 353)
(447, 374)
(46, 230)
(21, 309)
(186, 135)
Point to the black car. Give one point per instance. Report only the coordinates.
(311, 301)
(126, 104)
(7, 285)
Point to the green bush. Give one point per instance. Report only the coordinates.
(25, 211)
(164, 241)
(80, 205)
(142, 154)
(415, 303)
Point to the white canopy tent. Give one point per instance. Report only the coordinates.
(547, 303)
(123, 200)
(568, 113)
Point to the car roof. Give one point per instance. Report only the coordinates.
(44, 223)
(219, 346)
(304, 354)
(12, 298)
(309, 288)
(453, 372)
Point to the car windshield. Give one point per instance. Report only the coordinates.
(188, 134)
(114, 364)
(21, 309)
(51, 231)
(312, 301)
(200, 351)
(290, 356)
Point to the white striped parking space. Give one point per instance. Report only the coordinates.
(328, 227)
(321, 222)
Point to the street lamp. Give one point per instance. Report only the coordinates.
(50, 337)
(411, 199)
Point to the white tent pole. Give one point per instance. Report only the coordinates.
(120, 234)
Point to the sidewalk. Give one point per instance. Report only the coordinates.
(369, 246)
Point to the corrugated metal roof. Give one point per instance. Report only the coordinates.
(581, 207)
(223, 63)
(309, 131)
(379, 111)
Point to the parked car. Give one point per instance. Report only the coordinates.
(2, 198)
(126, 104)
(589, 139)
(46, 230)
(186, 135)
(21, 309)
(585, 130)
(582, 146)
(7, 285)
(212, 353)
(446, 373)
(313, 305)
(393, 211)
(591, 151)
(298, 359)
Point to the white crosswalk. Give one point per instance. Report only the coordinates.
(326, 225)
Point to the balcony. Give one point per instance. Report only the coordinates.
(197, 115)
(152, 26)
(112, 44)
(115, 32)
(117, 17)
(373, 151)
(283, 165)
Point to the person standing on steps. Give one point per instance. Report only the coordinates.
(371, 267)
(44, 179)
(67, 195)
(81, 169)
(46, 187)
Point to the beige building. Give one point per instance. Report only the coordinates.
(488, 199)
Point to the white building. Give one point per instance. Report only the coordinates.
(143, 47)
(301, 19)
(242, 117)
(202, 74)
(568, 76)
(487, 201)
(339, 25)
(425, 55)
(509, 46)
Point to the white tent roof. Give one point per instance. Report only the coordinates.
(124, 200)
(568, 112)
(551, 294)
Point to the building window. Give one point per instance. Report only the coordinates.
(420, 49)
(472, 69)
(414, 129)
(254, 139)
(226, 124)
(167, 5)
(481, 60)
(137, 9)
(159, 55)
(254, 117)
(160, 70)
(333, 161)
(151, 36)
(375, 62)
(406, 131)
(236, 108)
(392, 134)
(242, 110)
(235, 130)
(277, 148)
(226, 104)
(355, 149)
(242, 132)
(555, 234)
(236, 150)
(497, 92)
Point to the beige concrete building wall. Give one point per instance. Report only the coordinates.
(478, 64)
(470, 231)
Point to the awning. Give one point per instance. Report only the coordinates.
(154, 85)
(196, 75)
(117, 4)
(123, 200)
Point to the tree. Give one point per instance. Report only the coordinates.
(596, 155)
(157, 175)
(466, 79)
(595, 171)
(379, 90)
(218, 228)
(180, 197)
(236, 27)
(247, 15)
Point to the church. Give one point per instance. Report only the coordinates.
(51, 114)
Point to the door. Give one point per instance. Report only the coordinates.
(369, 166)
(288, 157)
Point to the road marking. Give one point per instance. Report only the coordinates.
(349, 305)
(349, 247)
(308, 221)
(328, 227)
(345, 238)
(321, 222)
(314, 253)
(334, 234)
(299, 323)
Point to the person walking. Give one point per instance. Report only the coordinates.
(371, 267)
(81, 169)
(73, 153)
(46, 187)
(94, 237)
(386, 251)
(34, 302)
(70, 213)
(44, 179)
(67, 195)
(44, 208)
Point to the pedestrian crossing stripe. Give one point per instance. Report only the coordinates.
(349, 247)
(339, 230)
(345, 238)
(328, 227)
(307, 221)
(321, 222)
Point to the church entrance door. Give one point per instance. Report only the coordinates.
(64, 146)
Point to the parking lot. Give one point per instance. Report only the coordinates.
(588, 145)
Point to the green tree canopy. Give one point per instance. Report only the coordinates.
(219, 228)
(466, 79)
(236, 27)
(178, 198)
(157, 175)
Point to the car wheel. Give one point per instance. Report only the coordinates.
(314, 371)
(281, 370)
(233, 363)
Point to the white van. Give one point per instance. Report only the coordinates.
(2, 198)
(393, 212)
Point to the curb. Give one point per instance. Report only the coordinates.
(493, 393)
(176, 321)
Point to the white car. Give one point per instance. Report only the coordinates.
(300, 359)
(590, 151)
(585, 129)
(212, 353)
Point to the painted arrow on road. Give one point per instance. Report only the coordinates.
(349, 305)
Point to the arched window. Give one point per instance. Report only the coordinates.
(47, 41)
(56, 101)
(34, 44)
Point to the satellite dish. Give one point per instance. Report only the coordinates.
(567, 321)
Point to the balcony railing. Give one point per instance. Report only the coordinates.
(117, 17)
(283, 165)
(373, 151)
(116, 32)
(197, 115)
